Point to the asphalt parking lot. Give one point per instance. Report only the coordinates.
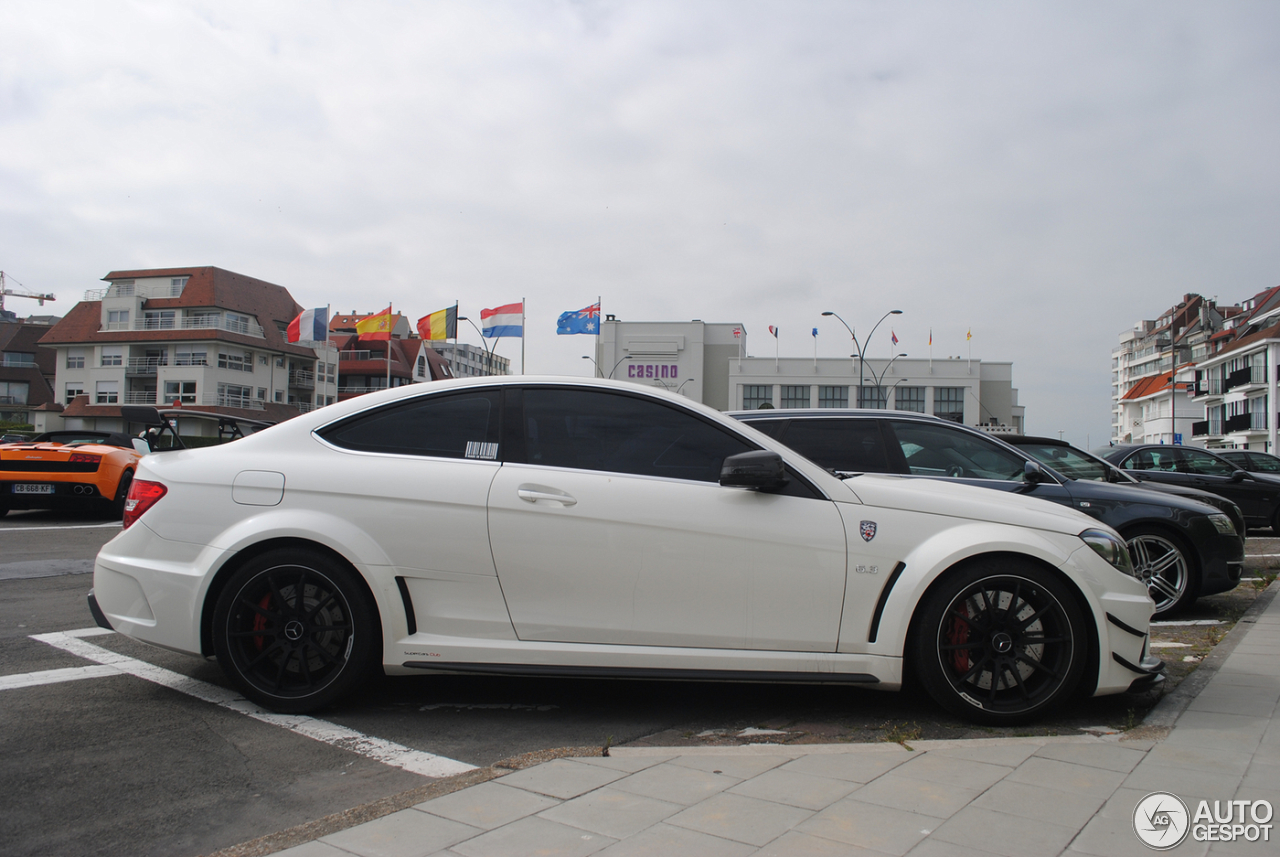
(119, 748)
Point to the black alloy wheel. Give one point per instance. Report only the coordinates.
(122, 494)
(1161, 562)
(1000, 641)
(295, 630)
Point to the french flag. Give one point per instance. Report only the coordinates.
(503, 321)
(311, 325)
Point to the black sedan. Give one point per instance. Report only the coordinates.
(1182, 548)
(1253, 462)
(1257, 494)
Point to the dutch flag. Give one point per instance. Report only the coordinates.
(503, 321)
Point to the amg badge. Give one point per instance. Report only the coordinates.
(868, 530)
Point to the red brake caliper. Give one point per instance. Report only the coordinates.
(959, 634)
(260, 621)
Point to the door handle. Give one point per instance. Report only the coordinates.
(534, 493)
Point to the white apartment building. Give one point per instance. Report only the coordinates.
(707, 362)
(469, 360)
(200, 337)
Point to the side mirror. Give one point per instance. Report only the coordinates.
(1034, 474)
(760, 469)
(1239, 476)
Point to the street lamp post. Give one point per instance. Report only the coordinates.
(488, 352)
(601, 371)
(862, 348)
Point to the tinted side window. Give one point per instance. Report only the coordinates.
(464, 425)
(598, 430)
(1151, 459)
(934, 450)
(773, 428)
(1263, 464)
(1199, 462)
(840, 444)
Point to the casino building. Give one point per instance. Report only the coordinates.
(708, 362)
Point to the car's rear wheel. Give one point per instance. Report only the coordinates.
(295, 630)
(122, 494)
(1165, 566)
(1000, 641)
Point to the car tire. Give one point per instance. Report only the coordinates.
(1162, 562)
(999, 641)
(295, 630)
(122, 494)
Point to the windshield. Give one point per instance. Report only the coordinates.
(1070, 462)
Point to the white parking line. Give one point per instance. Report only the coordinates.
(386, 752)
(1187, 622)
(13, 682)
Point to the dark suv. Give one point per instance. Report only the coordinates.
(1181, 548)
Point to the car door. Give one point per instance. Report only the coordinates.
(611, 527)
(1256, 497)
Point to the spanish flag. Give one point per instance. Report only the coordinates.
(376, 326)
(439, 325)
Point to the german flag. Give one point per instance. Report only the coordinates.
(439, 325)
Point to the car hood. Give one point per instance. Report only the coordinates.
(1083, 489)
(936, 497)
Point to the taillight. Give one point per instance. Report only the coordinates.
(142, 496)
(84, 458)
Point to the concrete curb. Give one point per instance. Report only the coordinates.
(1169, 708)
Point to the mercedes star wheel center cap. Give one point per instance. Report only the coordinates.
(293, 630)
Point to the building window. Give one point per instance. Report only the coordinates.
(909, 399)
(873, 397)
(192, 358)
(75, 358)
(756, 396)
(235, 396)
(795, 395)
(19, 359)
(239, 361)
(262, 359)
(159, 319)
(422, 366)
(948, 403)
(176, 284)
(74, 388)
(279, 395)
(237, 323)
(262, 394)
(180, 391)
(108, 392)
(118, 319)
(203, 319)
(14, 392)
(833, 397)
(112, 355)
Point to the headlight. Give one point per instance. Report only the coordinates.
(1223, 524)
(1110, 548)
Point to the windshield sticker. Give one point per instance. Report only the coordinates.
(485, 451)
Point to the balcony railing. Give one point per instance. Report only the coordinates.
(361, 355)
(358, 391)
(140, 397)
(1200, 429)
(144, 365)
(228, 400)
(299, 378)
(19, 361)
(211, 322)
(1242, 377)
(130, 290)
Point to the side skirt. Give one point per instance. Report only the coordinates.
(768, 676)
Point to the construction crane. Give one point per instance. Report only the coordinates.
(4, 290)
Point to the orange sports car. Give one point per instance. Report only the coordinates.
(68, 470)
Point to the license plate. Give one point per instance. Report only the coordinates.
(32, 488)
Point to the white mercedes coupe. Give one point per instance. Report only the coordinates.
(566, 527)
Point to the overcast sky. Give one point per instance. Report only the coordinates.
(1045, 174)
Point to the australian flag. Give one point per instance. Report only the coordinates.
(585, 320)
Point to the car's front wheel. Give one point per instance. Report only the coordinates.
(1162, 563)
(295, 630)
(1000, 641)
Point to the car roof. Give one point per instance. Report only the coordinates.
(788, 413)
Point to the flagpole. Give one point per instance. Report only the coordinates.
(388, 348)
(522, 337)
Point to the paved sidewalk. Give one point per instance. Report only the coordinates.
(1019, 797)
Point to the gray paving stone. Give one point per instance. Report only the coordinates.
(802, 790)
(612, 812)
(796, 844)
(675, 784)
(1237, 699)
(939, 848)
(858, 767)
(1121, 804)
(741, 819)
(408, 833)
(1000, 833)
(868, 825)
(1110, 757)
(562, 778)
(1266, 664)
(624, 762)
(1262, 775)
(1181, 781)
(1067, 777)
(742, 767)
(1113, 836)
(1199, 759)
(920, 796)
(314, 849)
(989, 752)
(663, 840)
(1071, 809)
(944, 770)
(534, 836)
(487, 805)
